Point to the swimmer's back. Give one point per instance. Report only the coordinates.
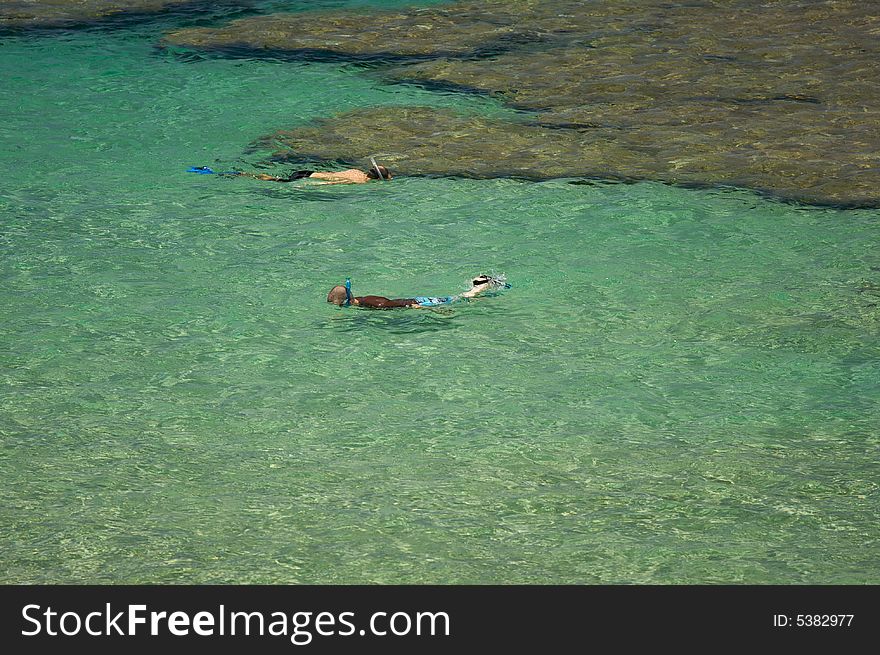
(381, 302)
(352, 176)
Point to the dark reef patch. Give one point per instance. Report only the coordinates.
(780, 97)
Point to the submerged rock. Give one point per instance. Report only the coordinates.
(778, 96)
(428, 141)
(22, 14)
(458, 28)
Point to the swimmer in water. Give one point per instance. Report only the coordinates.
(341, 295)
(349, 176)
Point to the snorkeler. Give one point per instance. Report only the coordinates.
(341, 295)
(348, 176)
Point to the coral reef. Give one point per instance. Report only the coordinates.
(26, 14)
(776, 96)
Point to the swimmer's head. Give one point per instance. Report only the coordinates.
(337, 295)
(374, 173)
(495, 281)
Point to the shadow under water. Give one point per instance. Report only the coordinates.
(18, 16)
(394, 322)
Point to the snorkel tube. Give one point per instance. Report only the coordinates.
(347, 292)
(377, 169)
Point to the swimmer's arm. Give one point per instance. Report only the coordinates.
(476, 291)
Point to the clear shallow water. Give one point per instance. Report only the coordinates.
(682, 386)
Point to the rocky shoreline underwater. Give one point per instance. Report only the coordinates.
(779, 97)
(18, 16)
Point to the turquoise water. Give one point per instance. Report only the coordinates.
(681, 387)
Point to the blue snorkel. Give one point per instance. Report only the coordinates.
(347, 292)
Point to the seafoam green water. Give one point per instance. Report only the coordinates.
(681, 387)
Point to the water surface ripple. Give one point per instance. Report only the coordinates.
(681, 387)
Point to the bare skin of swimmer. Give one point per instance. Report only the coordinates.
(349, 176)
